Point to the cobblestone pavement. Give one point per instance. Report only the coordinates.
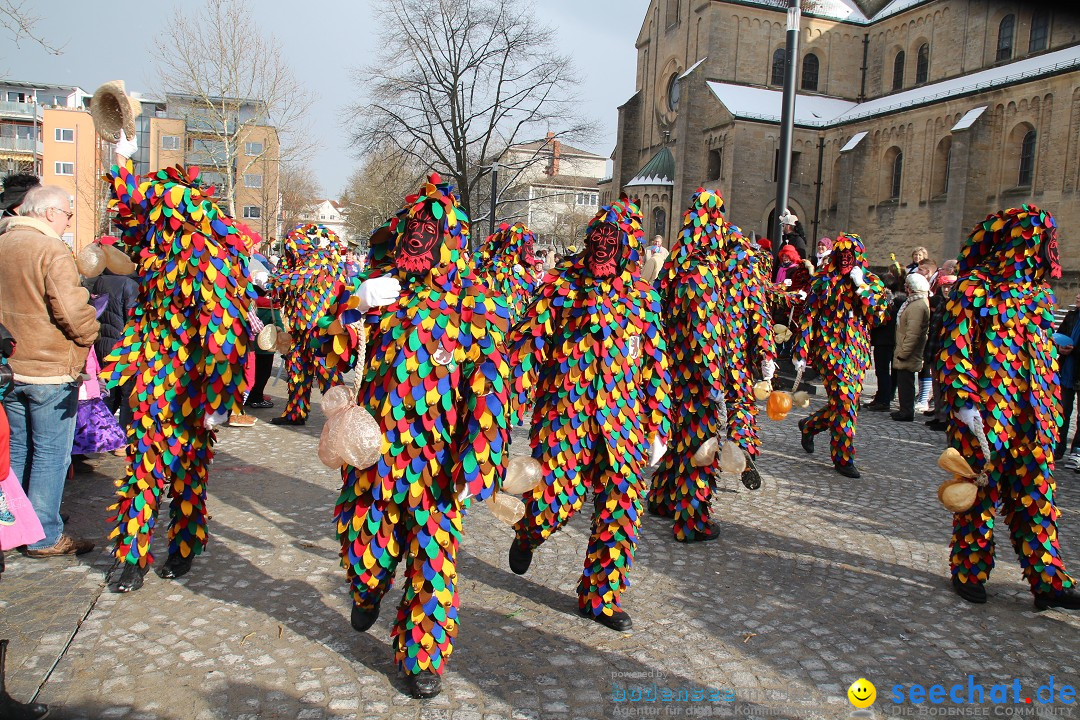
(816, 581)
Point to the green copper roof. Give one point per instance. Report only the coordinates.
(660, 170)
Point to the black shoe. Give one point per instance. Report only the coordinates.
(751, 478)
(618, 620)
(11, 708)
(974, 592)
(260, 404)
(423, 685)
(939, 425)
(176, 566)
(286, 421)
(363, 619)
(930, 413)
(901, 417)
(130, 580)
(711, 533)
(874, 407)
(848, 470)
(807, 438)
(1066, 600)
(520, 558)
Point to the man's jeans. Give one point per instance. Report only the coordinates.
(42, 419)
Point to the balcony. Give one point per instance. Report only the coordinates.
(21, 111)
(21, 145)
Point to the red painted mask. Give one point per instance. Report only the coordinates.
(416, 253)
(1050, 253)
(845, 261)
(528, 253)
(602, 251)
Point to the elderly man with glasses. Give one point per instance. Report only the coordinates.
(49, 315)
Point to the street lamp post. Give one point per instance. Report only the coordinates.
(787, 118)
(494, 196)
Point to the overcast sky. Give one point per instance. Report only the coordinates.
(323, 40)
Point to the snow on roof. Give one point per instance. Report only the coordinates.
(830, 9)
(855, 140)
(692, 68)
(969, 118)
(757, 103)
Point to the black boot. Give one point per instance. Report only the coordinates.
(751, 478)
(362, 619)
(176, 566)
(618, 620)
(974, 592)
(424, 685)
(848, 470)
(658, 512)
(807, 438)
(130, 579)
(1065, 600)
(10, 708)
(520, 558)
(286, 421)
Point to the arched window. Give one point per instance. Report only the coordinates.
(922, 64)
(671, 12)
(673, 93)
(1040, 30)
(810, 72)
(778, 61)
(940, 178)
(898, 71)
(714, 164)
(659, 221)
(1005, 37)
(897, 175)
(1027, 159)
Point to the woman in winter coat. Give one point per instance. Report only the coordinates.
(912, 329)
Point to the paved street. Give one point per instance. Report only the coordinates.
(817, 581)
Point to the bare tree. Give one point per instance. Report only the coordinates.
(459, 81)
(232, 85)
(376, 190)
(19, 22)
(299, 191)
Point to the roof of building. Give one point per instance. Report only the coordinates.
(757, 103)
(563, 148)
(566, 181)
(660, 170)
(841, 10)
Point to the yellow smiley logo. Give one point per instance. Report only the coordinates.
(862, 693)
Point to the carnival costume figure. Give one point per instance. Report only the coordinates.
(307, 283)
(998, 369)
(437, 383)
(183, 351)
(845, 302)
(590, 351)
(693, 290)
(507, 266)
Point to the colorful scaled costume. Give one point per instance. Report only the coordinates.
(307, 284)
(506, 264)
(835, 336)
(183, 349)
(748, 338)
(590, 351)
(436, 381)
(998, 359)
(692, 289)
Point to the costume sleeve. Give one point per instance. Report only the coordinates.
(763, 345)
(526, 350)
(961, 347)
(805, 333)
(484, 442)
(873, 301)
(655, 376)
(128, 200)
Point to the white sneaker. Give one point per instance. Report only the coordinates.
(1071, 461)
(922, 407)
